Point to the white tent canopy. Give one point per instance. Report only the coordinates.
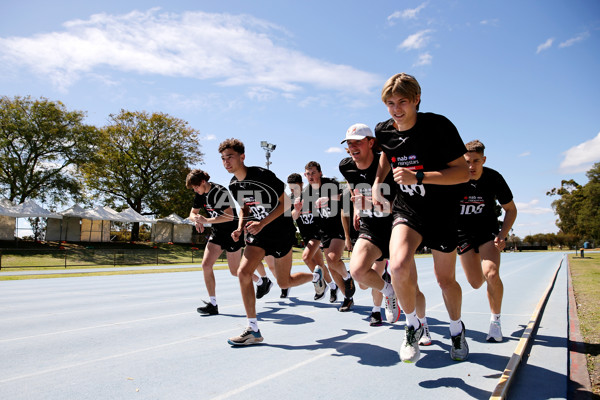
(133, 216)
(172, 229)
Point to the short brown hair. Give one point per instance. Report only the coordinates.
(195, 178)
(313, 164)
(294, 178)
(403, 85)
(234, 144)
(475, 146)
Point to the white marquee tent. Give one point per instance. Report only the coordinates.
(172, 229)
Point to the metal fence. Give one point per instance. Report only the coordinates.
(55, 258)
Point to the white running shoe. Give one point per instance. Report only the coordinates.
(425, 338)
(409, 351)
(495, 333)
(392, 311)
(460, 349)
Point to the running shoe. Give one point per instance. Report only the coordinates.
(349, 288)
(333, 295)
(426, 337)
(375, 319)
(247, 337)
(495, 333)
(347, 304)
(320, 285)
(392, 311)
(409, 351)
(263, 288)
(460, 349)
(284, 293)
(386, 276)
(208, 309)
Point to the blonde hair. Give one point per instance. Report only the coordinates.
(403, 85)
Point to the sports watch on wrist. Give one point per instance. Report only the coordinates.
(420, 176)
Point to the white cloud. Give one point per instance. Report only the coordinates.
(334, 150)
(525, 154)
(580, 158)
(409, 13)
(545, 46)
(532, 208)
(572, 41)
(234, 50)
(424, 59)
(209, 137)
(416, 40)
(490, 22)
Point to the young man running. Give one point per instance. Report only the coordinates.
(479, 242)
(323, 197)
(269, 232)
(309, 229)
(425, 153)
(216, 201)
(373, 223)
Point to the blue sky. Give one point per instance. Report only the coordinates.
(522, 77)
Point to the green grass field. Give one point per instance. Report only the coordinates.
(585, 274)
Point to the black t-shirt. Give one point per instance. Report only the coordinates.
(215, 202)
(307, 223)
(478, 202)
(429, 145)
(362, 179)
(260, 191)
(329, 215)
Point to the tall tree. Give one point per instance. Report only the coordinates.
(578, 207)
(41, 143)
(142, 160)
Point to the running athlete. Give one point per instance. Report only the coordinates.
(269, 232)
(425, 153)
(216, 201)
(374, 224)
(479, 242)
(309, 229)
(323, 198)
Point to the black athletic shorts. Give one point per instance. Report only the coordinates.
(380, 239)
(438, 232)
(273, 245)
(468, 241)
(226, 242)
(327, 237)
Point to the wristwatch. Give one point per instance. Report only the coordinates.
(420, 176)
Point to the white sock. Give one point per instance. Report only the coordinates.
(213, 300)
(316, 277)
(348, 276)
(423, 321)
(376, 309)
(388, 289)
(412, 319)
(455, 327)
(259, 281)
(253, 324)
(332, 285)
(495, 318)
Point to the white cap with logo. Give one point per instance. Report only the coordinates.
(358, 132)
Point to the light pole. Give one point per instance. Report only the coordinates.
(268, 147)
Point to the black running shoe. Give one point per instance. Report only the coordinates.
(284, 293)
(346, 305)
(349, 288)
(263, 288)
(208, 309)
(319, 296)
(375, 319)
(333, 295)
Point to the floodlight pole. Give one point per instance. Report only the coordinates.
(268, 148)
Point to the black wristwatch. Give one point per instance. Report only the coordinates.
(420, 176)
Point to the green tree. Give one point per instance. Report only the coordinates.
(142, 160)
(578, 206)
(41, 143)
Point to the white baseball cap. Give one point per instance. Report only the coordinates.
(358, 132)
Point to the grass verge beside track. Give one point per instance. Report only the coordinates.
(585, 275)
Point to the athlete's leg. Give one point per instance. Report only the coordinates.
(444, 266)
(471, 263)
(402, 267)
(363, 256)
(233, 261)
(337, 268)
(491, 269)
(285, 279)
(211, 254)
(250, 260)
